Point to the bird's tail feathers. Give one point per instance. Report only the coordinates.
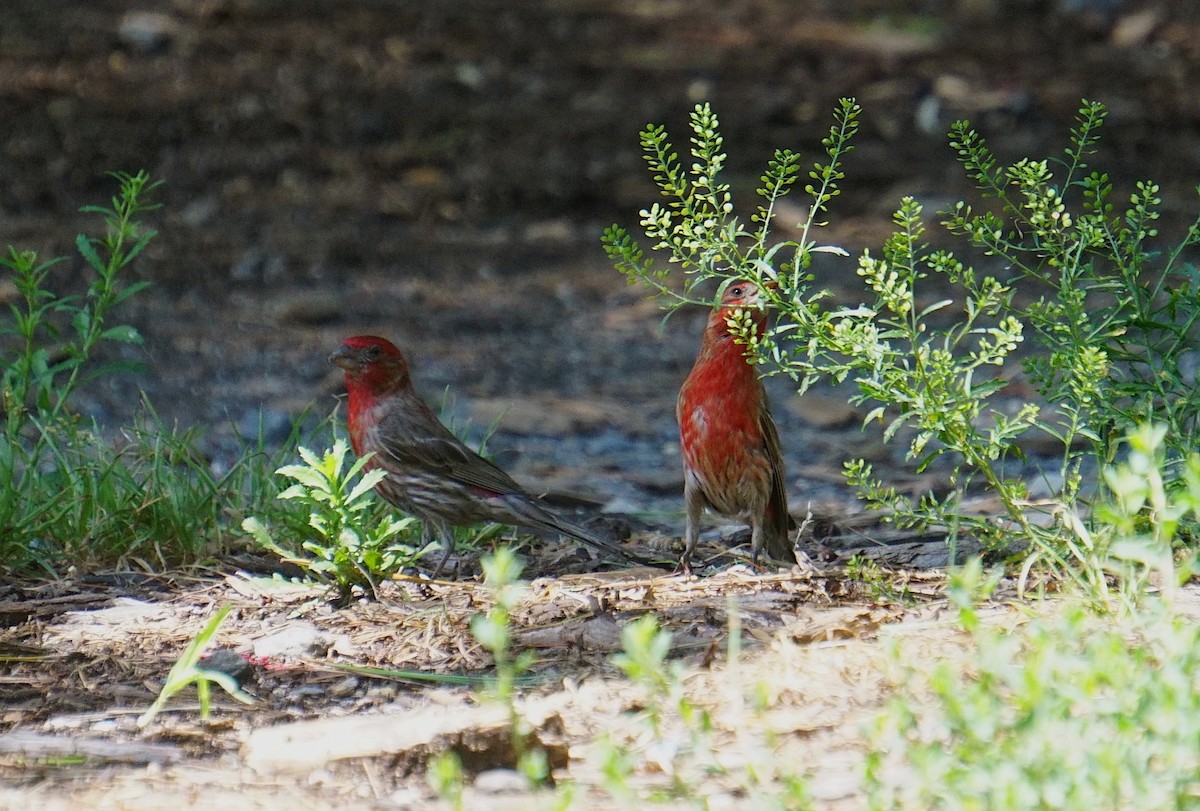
(776, 542)
(538, 516)
(779, 547)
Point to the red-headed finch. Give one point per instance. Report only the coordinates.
(731, 459)
(431, 474)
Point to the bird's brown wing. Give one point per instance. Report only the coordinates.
(414, 440)
(444, 455)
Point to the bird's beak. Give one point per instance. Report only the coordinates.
(760, 300)
(343, 356)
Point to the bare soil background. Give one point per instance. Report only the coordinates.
(439, 173)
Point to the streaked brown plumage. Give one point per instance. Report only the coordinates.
(731, 458)
(431, 474)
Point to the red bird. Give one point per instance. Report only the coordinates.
(731, 459)
(431, 474)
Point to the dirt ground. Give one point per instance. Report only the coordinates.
(439, 173)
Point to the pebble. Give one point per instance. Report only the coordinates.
(501, 781)
(343, 688)
(199, 212)
(146, 31)
(1134, 30)
(381, 695)
(321, 777)
(408, 798)
(294, 640)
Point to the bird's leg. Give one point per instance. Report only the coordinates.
(756, 540)
(693, 498)
(442, 563)
(447, 539)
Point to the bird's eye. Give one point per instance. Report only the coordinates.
(736, 292)
(372, 351)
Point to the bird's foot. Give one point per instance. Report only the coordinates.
(442, 563)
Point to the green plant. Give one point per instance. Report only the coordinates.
(1134, 538)
(347, 543)
(933, 383)
(69, 495)
(444, 774)
(186, 670)
(681, 734)
(493, 630)
(1068, 710)
(697, 226)
(677, 729)
(51, 361)
(50, 342)
(1114, 327)
(881, 586)
(1117, 320)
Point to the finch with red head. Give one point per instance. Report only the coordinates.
(731, 459)
(431, 474)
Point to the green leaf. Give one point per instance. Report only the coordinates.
(123, 333)
(309, 458)
(185, 670)
(366, 484)
(305, 475)
(295, 491)
(88, 252)
(82, 321)
(139, 246)
(129, 290)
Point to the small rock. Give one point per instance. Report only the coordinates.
(343, 688)
(381, 695)
(199, 212)
(321, 777)
(408, 798)
(623, 506)
(469, 74)
(146, 31)
(293, 640)
(560, 230)
(501, 781)
(1133, 30)
(8, 291)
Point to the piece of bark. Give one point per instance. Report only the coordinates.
(308, 745)
(35, 745)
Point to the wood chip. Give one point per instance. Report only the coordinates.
(36, 746)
